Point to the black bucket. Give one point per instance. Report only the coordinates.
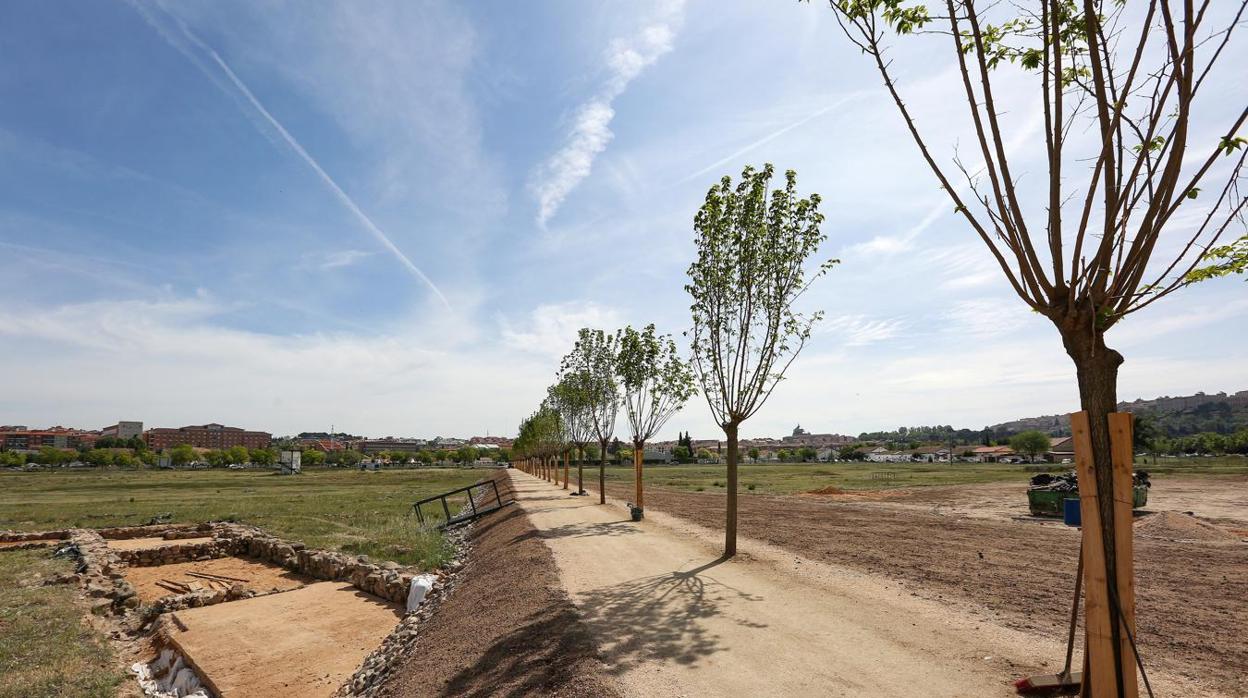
(636, 512)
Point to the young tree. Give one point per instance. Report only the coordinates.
(313, 457)
(1033, 443)
(573, 396)
(594, 354)
(753, 245)
(753, 453)
(1142, 178)
(656, 385)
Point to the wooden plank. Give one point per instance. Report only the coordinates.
(1123, 456)
(1099, 652)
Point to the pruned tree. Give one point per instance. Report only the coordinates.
(573, 398)
(594, 355)
(1142, 177)
(753, 245)
(656, 384)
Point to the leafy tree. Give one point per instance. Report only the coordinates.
(263, 456)
(594, 354)
(1089, 249)
(1224, 261)
(681, 454)
(181, 455)
(99, 457)
(784, 455)
(350, 459)
(656, 384)
(704, 454)
(753, 244)
(467, 454)
(574, 398)
(849, 452)
(238, 454)
(754, 453)
(12, 459)
(503, 455)
(1032, 442)
(313, 457)
(217, 458)
(807, 454)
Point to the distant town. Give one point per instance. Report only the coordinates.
(1195, 424)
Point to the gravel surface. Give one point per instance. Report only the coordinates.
(508, 629)
(1192, 596)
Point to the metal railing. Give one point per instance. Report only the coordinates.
(472, 512)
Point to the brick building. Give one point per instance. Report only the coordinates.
(206, 436)
(23, 439)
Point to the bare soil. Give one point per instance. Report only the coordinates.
(962, 546)
(152, 543)
(508, 628)
(255, 575)
(305, 642)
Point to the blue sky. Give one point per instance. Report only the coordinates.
(393, 217)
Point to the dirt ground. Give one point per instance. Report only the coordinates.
(258, 576)
(508, 629)
(305, 642)
(150, 543)
(962, 547)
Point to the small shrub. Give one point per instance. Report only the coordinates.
(699, 489)
(750, 487)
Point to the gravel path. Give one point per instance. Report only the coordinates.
(1192, 595)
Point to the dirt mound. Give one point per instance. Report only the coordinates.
(1171, 525)
(830, 489)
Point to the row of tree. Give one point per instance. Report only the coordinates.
(753, 245)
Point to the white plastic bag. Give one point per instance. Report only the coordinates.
(421, 584)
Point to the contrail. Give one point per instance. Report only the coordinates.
(299, 150)
(772, 136)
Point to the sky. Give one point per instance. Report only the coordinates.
(390, 218)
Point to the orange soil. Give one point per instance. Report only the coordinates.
(305, 642)
(260, 576)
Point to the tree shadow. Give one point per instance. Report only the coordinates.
(549, 648)
(661, 617)
(624, 527)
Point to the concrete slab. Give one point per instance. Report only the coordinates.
(305, 642)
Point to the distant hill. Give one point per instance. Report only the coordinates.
(1174, 416)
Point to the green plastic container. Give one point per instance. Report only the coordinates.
(1044, 502)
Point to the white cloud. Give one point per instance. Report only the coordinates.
(334, 260)
(591, 131)
(551, 329)
(860, 330)
(170, 361)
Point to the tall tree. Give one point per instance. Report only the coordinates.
(594, 355)
(656, 384)
(1137, 188)
(753, 245)
(572, 396)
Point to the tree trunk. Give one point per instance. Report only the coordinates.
(1096, 366)
(730, 522)
(602, 472)
(639, 457)
(567, 467)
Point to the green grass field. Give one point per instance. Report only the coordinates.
(788, 478)
(348, 510)
(45, 647)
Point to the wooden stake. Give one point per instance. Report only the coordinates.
(639, 456)
(1122, 449)
(1098, 674)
